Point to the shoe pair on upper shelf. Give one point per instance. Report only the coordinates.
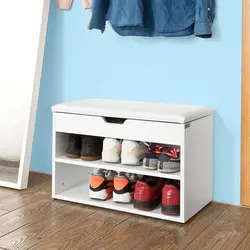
(153, 156)
(164, 158)
(125, 151)
(88, 148)
(110, 150)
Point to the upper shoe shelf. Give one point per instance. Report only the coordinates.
(170, 113)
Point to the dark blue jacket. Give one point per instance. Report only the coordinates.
(155, 17)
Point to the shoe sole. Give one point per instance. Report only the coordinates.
(112, 158)
(90, 158)
(122, 198)
(149, 167)
(169, 171)
(172, 167)
(100, 195)
(72, 156)
(131, 160)
(170, 210)
(147, 205)
(150, 164)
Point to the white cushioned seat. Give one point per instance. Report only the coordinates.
(173, 113)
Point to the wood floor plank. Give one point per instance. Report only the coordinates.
(126, 235)
(226, 232)
(13, 202)
(24, 197)
(33, 233)
(5, 192)
(95, 225)
(245, 244)
(35, 179)
(238, 218)
(113, 216)
(177, 236)
(2, 212)
(35, 221)
(27, 214)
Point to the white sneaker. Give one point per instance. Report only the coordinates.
(133, 152)
(111, 150)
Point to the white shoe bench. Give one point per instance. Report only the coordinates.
(190, 127)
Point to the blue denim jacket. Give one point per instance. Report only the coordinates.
(155, 17)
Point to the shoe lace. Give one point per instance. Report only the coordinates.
(173, 152)
(167, 150)
(148, 145)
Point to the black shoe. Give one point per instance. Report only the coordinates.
(74, 146)
(91, 148)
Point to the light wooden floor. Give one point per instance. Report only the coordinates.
(30, 219)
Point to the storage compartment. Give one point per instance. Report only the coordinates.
(73, 185)
(138, 130)
(62, 144)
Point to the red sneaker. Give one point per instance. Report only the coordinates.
(170, 203)
(148, 193)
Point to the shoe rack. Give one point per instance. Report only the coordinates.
(190, 127)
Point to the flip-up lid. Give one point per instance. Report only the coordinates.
(134, 110)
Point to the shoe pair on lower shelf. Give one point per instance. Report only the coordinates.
(145, 192)
(105, 184)
(150, 192)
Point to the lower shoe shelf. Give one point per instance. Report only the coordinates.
(80, 194)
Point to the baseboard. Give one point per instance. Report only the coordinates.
(230, 204)
(37, 172)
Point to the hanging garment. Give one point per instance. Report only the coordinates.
(66, 4)
(155, 17)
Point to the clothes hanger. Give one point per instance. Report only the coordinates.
(66, 4)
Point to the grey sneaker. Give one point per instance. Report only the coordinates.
(169, 162)
(150, 161)
(91, 148)
(74, 146)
